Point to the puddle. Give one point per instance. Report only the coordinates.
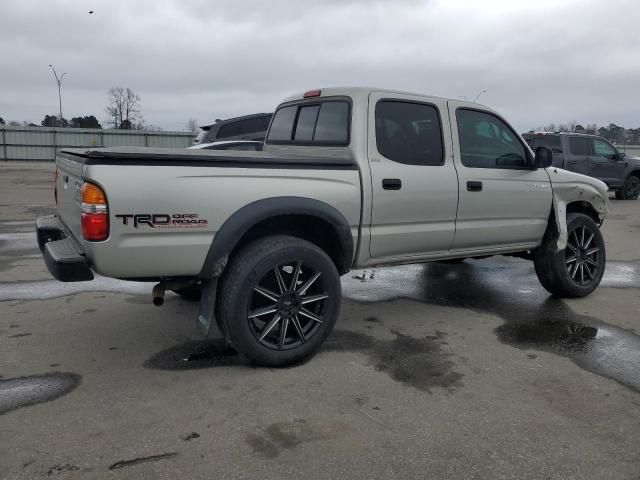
(47, 289)
(533, 319)
(26, 391)
(595, 346)
(417, 362)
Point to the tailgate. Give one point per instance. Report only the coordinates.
(68, 187)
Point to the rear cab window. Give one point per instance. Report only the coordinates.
(550, 141)
(321, 122)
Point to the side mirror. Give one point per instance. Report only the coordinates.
(544, 157)
(620, 156)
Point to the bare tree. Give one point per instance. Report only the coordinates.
(123, 108)
(192, 125)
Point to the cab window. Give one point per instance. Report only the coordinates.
(409, 132)
(579, 146)
(602, 149)
(487, 142)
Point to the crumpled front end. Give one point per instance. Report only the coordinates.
(570, 187)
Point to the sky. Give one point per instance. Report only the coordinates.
(539, 61)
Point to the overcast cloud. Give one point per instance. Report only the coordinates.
(540, 61)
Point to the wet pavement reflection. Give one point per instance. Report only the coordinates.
(533, 319)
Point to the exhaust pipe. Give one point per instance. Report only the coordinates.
(158, 294)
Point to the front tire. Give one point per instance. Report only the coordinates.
(279, 300)
(577, 270)
(630, 189)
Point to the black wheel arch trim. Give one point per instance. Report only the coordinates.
(238, 224)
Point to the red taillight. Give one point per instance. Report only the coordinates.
(312, 93)
(95, 213)
(95, 226)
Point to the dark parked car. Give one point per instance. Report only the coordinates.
(247, 127)
(594, 156)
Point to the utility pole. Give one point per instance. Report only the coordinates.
(59, 82)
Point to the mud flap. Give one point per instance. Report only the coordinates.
(206, 315)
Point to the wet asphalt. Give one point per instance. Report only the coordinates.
(434, 371)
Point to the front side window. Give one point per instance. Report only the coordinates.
(603, 149)
(318, 123)
(579, 146)
(487, 142)
(409, 132)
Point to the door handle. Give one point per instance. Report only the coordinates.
(391, 183)
(474, 186)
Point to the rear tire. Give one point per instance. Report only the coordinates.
(279, 300)
(577, 270)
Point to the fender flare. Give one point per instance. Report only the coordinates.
(233, 229)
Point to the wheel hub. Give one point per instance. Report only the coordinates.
(288, 305)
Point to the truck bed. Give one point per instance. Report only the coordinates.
(203, 187)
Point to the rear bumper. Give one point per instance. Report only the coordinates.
(64, 258)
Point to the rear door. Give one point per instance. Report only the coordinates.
(579, 158)
(504, 203)
(414, 182)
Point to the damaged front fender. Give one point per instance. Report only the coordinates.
(572, 188)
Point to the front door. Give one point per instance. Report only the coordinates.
(414, 182)
(504, 203)
(606, 166)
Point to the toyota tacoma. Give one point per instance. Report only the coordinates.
(348, 178)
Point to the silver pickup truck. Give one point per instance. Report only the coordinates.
(348, 178)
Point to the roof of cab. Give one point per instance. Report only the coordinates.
(363, 92)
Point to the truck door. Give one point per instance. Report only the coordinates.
(414, 182)
(579, 159)
(504, 203)
(606, 165)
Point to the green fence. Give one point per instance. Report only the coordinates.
(41, 143)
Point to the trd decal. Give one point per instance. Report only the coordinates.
(163, 220)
